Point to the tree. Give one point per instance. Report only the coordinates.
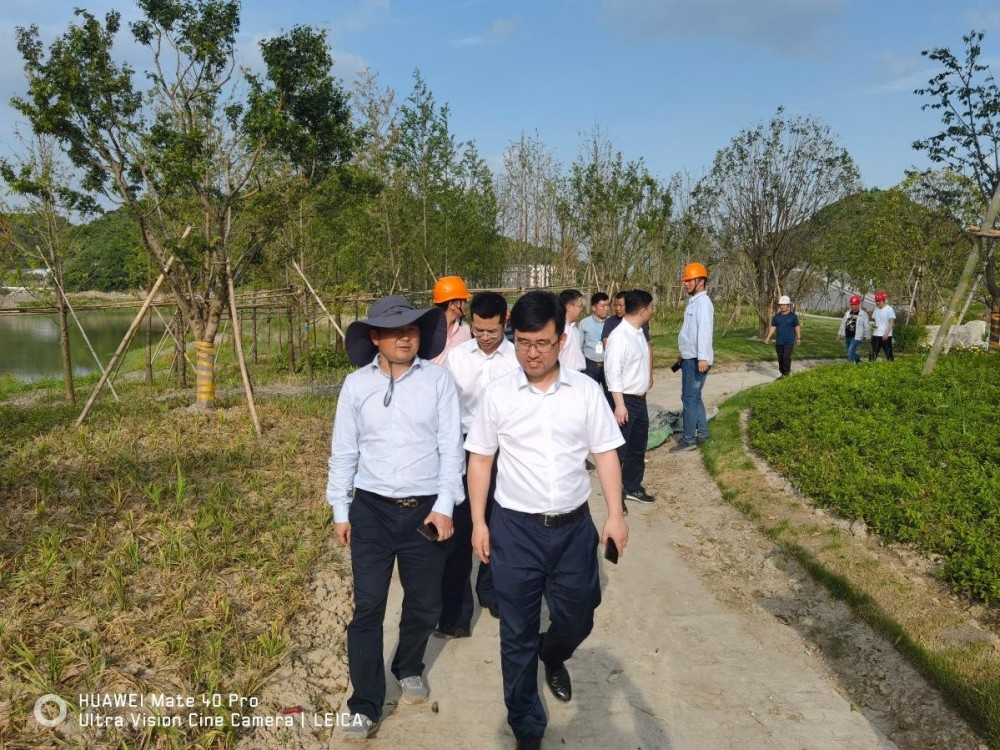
(968, 98)
(230, 154)
(771, 179)
(621, 213)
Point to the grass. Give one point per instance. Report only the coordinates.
(154, 551)
(742, 344)
(915, 618)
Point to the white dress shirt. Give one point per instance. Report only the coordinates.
(571, 354)
(473, 370)
(543, 439)
(626, 361)
(413, 446)
(695, 338)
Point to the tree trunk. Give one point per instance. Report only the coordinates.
(205, 375)
(149, 350)
(995, 324)
(67, 361)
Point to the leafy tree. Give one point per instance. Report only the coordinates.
(109, 255)
(968, 98)
(203, 146)
(771, 179)
(621, 213)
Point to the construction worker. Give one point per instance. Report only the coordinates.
(786, 325)
(884, 317)
(695, 344)
(450, 296)
(854, 329)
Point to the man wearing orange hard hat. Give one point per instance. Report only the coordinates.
(696, 356)
(451, 296)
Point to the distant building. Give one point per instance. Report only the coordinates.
(528, 275)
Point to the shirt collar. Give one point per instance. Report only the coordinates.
(504, 350)
(417, 363)
(522, 380)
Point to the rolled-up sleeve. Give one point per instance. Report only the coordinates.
(706, 322)
(344, 453)
(452, 459)
(482, 437)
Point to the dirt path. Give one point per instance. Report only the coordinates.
(708, 637)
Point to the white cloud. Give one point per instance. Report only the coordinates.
(982, 18)
(500, 30)
(789, 27)
(365, 14)
(912, 78)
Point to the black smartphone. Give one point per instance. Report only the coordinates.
(611, 551)
(429, 532)
(675, 366)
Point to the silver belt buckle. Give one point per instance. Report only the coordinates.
(549, 516)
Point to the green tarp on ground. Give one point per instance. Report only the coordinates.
(665, 422)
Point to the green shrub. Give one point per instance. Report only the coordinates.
(906, 336)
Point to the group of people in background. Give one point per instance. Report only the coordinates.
(488, 454)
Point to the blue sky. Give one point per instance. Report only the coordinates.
(670, 81)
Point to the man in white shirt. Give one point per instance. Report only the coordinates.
(884, 318)
(394, 479)
(695, 344)
(473, 365)
(626, 371)
(571, 355)
(541, 421)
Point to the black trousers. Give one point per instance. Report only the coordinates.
(880, 344)
(530, 561)
(456, 589)
(382, 535)
(784, 358)
(632, 454)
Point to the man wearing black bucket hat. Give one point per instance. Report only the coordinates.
(397, 442)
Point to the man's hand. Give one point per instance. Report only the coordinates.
(886, 336)
(621, 414)
(442, 523)
(703, 365)
(616, 528)
(343, 532)
(481, 542)
(767, 341)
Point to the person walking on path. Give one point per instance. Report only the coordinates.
(540, 422)
(854, 329)
(695, 344)
(592, 330)
(626, 370)
(571, 355)
(397, 446)
(450, 296)
(884, 317)
(473, 365)
(786, 325)
(613, 322)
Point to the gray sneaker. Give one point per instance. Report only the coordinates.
(683, 447)
(414, 690)
(358, 728)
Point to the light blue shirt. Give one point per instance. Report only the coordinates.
(592, 329)
(695, 338)
(413, 446)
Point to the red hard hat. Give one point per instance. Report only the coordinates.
(855, 300)
(880, 296)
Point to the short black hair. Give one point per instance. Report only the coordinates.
(636, 299)
(597, 298)
(620, 294)
(570, 295)
(488, 305)
(533, 311)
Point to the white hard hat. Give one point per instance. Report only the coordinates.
(784, 299)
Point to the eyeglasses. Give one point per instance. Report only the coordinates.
(542, 347)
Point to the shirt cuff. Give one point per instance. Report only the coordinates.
(445, 506)
(341, 511)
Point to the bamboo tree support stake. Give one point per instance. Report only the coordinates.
(79, 325)
(123, 346)
(963, 286)
(238, 341)
(318, 300)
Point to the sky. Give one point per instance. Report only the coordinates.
(669, 81)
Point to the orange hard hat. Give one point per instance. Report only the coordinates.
(448, 288)
(694, 271)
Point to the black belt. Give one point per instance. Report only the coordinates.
(595, 363)
(399, 502)
(553, 520)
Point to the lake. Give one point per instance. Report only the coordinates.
(29, 342)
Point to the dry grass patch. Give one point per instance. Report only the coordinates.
(154, 551)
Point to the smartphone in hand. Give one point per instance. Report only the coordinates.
(428, 531)
(611, 551)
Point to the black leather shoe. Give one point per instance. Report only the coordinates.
(495, 611)
(557, 678)
(455, 632)
(530, 743)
